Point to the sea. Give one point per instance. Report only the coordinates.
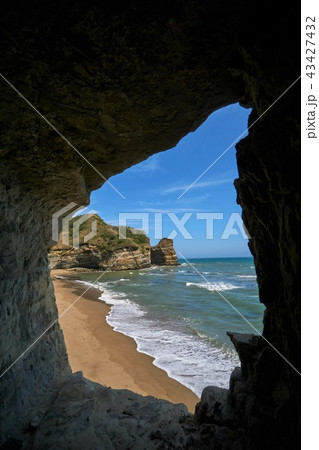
(180, 315)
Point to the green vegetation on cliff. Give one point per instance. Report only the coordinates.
(106, 238)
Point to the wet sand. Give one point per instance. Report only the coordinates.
(104, 355)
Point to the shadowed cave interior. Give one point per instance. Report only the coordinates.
(122, 81)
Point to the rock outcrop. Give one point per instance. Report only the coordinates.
(163, 254)
(90, 257)
(87, 415)
(106, 250)
(121, 81)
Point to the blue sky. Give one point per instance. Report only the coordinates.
(154, 186)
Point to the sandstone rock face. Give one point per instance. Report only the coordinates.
(163, 254)
(123, 80)
(89, 256)
(106, 249)
(127, 259)
(86, 256)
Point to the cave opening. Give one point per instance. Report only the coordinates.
(188, 306)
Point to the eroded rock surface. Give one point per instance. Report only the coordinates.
(85, 415)
(89, 257)
(108, 249)
(100, 246)
(163, 254)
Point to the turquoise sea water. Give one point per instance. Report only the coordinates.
(175, 315)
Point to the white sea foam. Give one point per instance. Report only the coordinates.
(189, 358)
(248, 277)
(214, 286)
(87, 283)
(114, 282)
(158, 274)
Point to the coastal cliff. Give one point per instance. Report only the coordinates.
(105, 250)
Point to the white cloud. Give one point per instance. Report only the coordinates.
(149, 166)
(200, 184)
(171, 209)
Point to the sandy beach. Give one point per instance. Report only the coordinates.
(104, 355)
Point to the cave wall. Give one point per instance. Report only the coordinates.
(268, 190)
(123, 80)
(27, 306)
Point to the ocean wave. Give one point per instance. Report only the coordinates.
(186, 356)
(158, 274)
(214, 286)
(108, 298)
(121, 301)
(86, 283)
(117, 281)
(113, 282)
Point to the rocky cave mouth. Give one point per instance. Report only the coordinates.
(221, 186)
(157, 80)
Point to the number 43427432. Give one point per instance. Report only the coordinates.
(310, 46)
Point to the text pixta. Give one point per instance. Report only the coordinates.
(311, 119)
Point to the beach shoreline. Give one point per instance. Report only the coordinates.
(104, 355)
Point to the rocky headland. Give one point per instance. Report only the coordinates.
(106, 250)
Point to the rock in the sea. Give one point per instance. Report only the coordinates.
(163, 254)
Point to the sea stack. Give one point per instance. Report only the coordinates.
(163, 254)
